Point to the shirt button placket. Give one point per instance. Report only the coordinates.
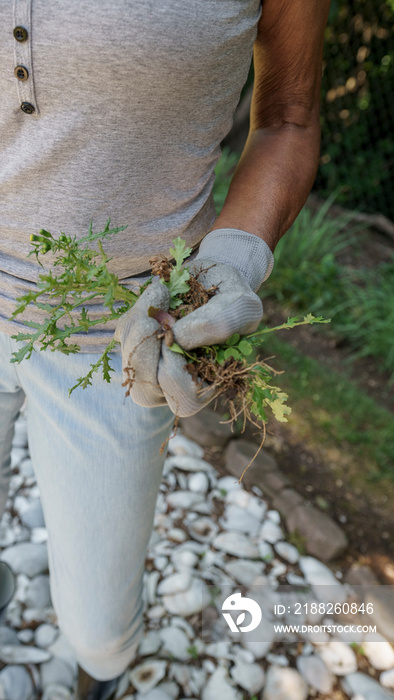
(23, 70)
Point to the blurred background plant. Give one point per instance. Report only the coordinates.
(357, 106)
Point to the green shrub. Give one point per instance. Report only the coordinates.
(357, 104)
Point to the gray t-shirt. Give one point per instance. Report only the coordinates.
(113, 109)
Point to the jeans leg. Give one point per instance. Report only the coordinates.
(11, 400)
(98, 466)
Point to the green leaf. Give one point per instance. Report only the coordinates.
(220, 356)
(180, 251)
(177, 285)
(44, 307)
(176, 348)
(175, 302)
(32, 324)
(232, 352)
(26, 351)
(245, 347)
(233, 339)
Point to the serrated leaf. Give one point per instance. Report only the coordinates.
(179, 281)
(32, 324)
(177, 285)
(107, 368)
(44, 306)
(309, 318)
(22, 353)
(279, 408)
(180, 251)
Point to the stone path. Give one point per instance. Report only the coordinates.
(211, 535)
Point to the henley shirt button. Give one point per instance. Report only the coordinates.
(21, 73)
(20, 33)
(27, 108)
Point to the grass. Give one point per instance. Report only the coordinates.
(308, 277)
(367, 315)
(336, 410)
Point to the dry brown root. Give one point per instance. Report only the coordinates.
(166, 441)
(232, 380)
(197, 296)
(161, 266)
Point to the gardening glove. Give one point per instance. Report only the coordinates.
(236, 262)
(140, 346)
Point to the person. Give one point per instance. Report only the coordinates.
(118, 110)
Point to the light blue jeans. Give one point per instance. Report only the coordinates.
(97, 461)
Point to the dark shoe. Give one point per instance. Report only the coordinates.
(7, 587)
(89, 688)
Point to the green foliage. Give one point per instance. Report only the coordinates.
(179, 276)
(223, 172)
(102, 362)
(357, 100)
(83, 275)
(366, 316)
(337, 411)
(193, 651)
(261, 393)
(306, 273)
(308, 276)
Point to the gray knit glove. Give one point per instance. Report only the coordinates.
(238, 263)
(137, 334)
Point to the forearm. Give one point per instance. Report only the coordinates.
(272, 181)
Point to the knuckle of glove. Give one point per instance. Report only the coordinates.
(183, 395)
(223, 275)
(140, 356)
(236, 311)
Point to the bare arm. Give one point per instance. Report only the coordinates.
(278, 165)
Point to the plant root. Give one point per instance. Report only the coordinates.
(167, 440)
(196, 296)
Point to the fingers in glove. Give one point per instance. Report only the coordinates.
(140, 360)
(156, 294)
(235, 308)
(183, 395)
(140, 345)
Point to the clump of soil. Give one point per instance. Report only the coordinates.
(196, 296)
